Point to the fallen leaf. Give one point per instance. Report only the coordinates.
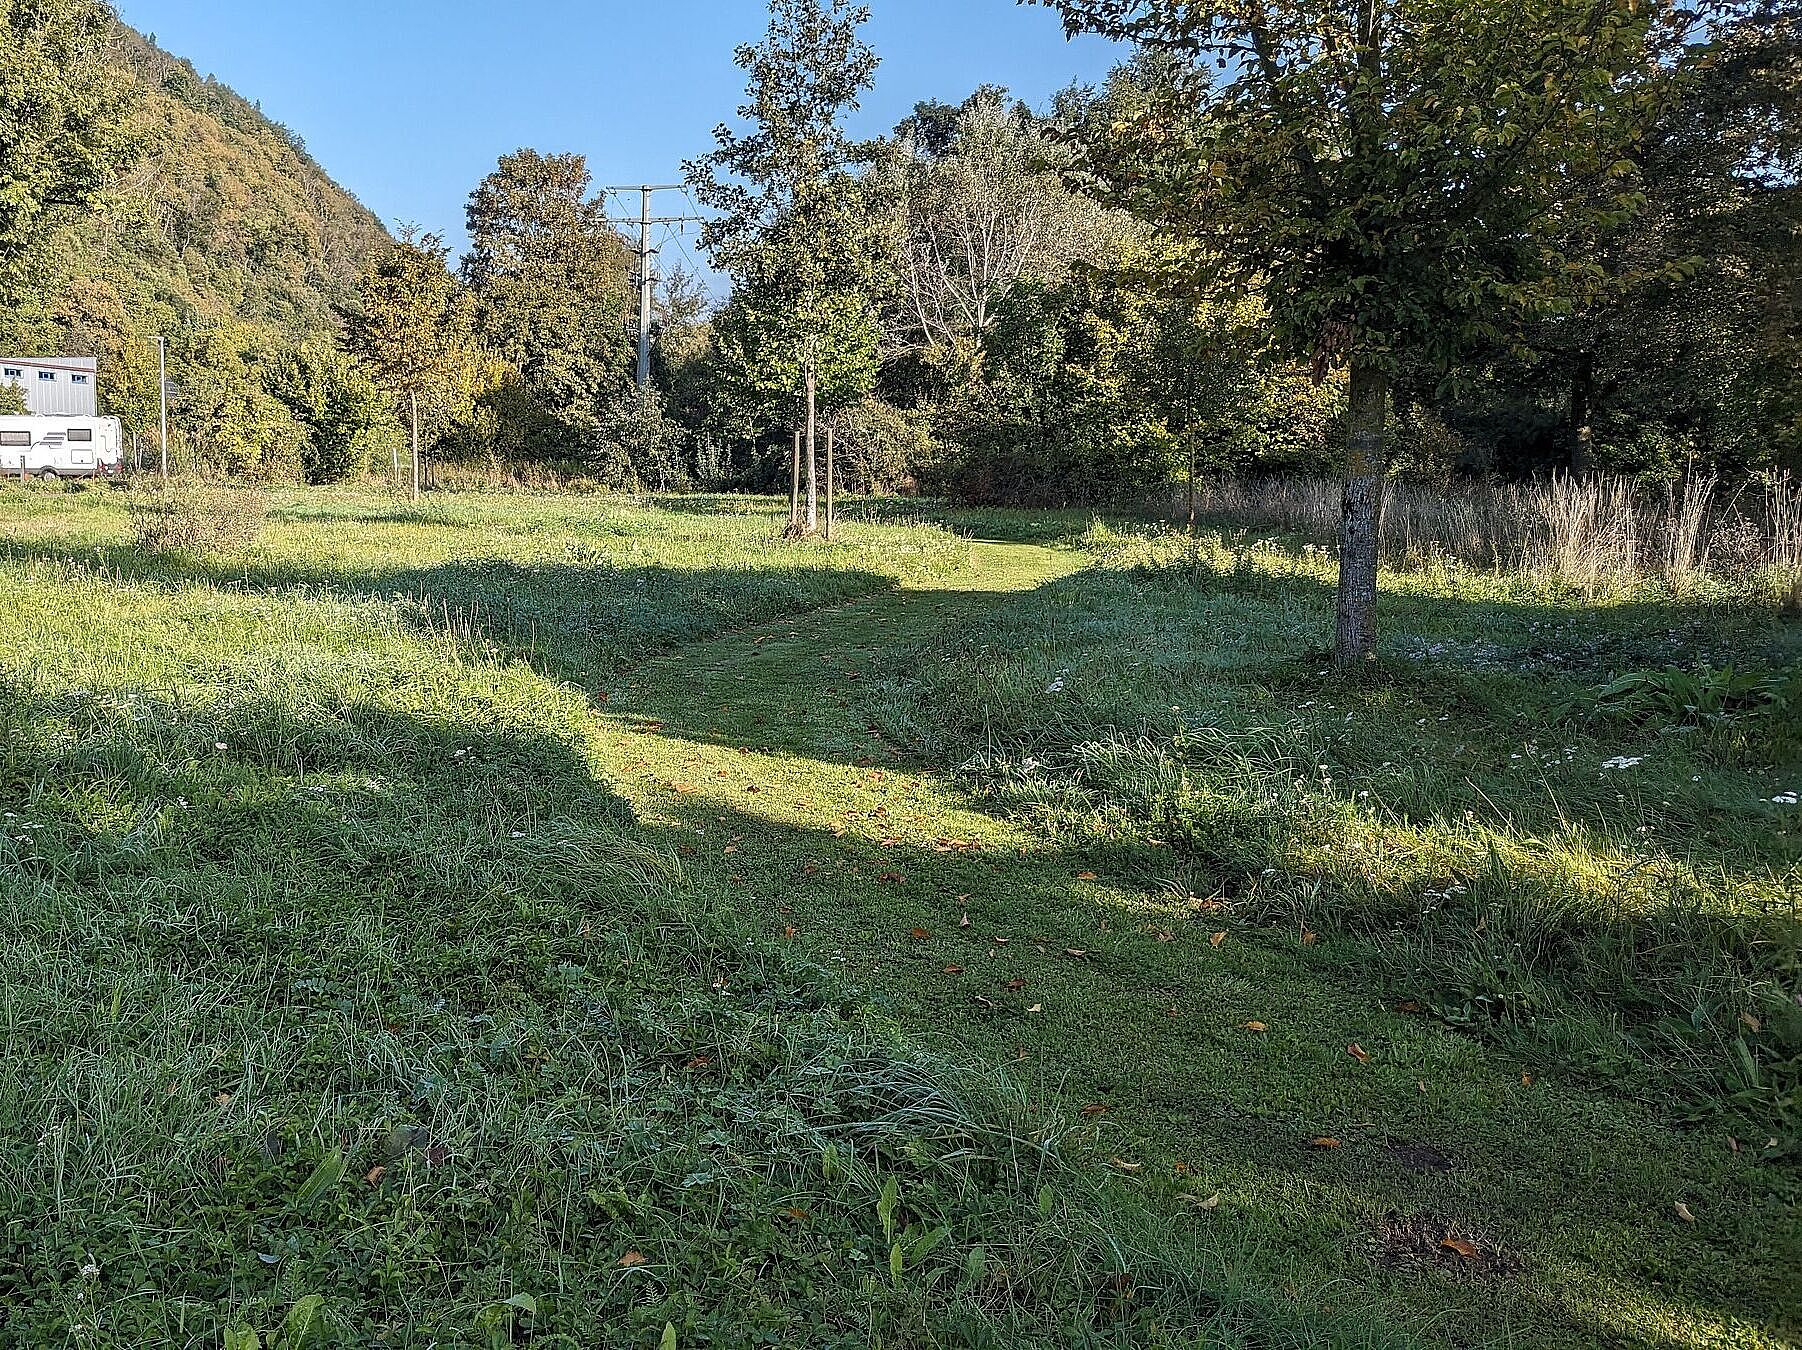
(1212, 1202)
(1001, 940)
(920, 934)
(963, 920)
(1256, 1026)
(1526, 1080)
(1358, 1053)
(1684, 1214)
(1324, 1141)
(1037, 1007)
(632, 1258)
(1015, 985)
(1126, 1166)
(1085, 876)
(1460, 1246)
(1309, 937)
(1095, 1109)
(1217, 939)
(796, 1213)
(1750, 1023)
(1408, 1005)
(375, 1174)
(954, 970)
(1076, 952)
(1165, 935)
(789, 931)
(983, 1002)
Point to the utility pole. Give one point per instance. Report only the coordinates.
(645, 281)
(647, 275)
(162, 393)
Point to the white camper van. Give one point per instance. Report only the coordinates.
(61, 447)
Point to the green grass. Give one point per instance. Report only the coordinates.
(685, 923)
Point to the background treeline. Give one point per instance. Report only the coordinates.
(978, 324)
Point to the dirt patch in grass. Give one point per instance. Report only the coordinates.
(1426, 1241)
(1417, 1157)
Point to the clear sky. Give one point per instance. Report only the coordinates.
(408, 103)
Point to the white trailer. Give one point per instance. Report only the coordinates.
(62, 447)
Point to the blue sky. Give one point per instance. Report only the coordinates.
(408, 103)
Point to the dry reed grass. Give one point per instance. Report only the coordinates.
(1593, 533)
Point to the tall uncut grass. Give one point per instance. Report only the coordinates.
(1594, 533)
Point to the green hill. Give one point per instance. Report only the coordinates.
(223, 234)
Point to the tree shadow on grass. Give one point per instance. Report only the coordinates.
(379, 915)
(578, 621)
(374, 942)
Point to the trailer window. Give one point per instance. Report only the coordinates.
(15, 438)
(78, 379)
(47, 375)
(81, 433)
(14, 373)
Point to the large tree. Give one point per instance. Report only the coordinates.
(791, 226)
(983, 210)
(1689, 346)
(1394, 178)
(550, 280)
(60, 120)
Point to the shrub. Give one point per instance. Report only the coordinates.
(196, 518)
(881, 448)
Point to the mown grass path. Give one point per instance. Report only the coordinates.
(757, 751)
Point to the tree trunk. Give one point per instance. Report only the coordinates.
(813, 487)
(1355, 632)
(394, 453)
(829, 476)
(1191, 436)
(794, 487)
(414, 400)
(1582, 403)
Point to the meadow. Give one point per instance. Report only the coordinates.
(570, 920)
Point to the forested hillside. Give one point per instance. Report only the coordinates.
(218, 230)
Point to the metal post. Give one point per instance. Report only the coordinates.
(644, 288)
(829, 474)
(162, 393)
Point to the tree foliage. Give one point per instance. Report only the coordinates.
(60, 121)
(550, 280)
(984, 210)
(414, 326)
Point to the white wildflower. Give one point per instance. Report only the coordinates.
(1624, 762)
